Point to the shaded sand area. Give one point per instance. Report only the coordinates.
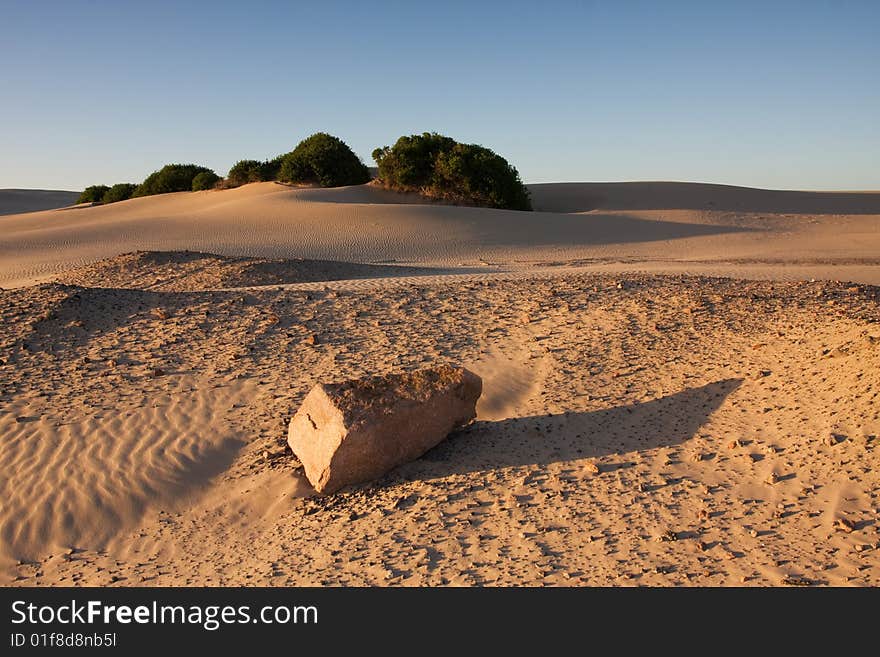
(636, 429)
(676, 227)
(170, 271)
(16, 201)
(641, 423)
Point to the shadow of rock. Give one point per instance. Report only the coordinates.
(545, 439)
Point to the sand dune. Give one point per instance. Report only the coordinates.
(639, 425)
(361, 224)
(173, 271)
(79, 479)
(639, 430)
(584, 197)
(16, 201)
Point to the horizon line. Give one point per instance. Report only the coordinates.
(585, 182)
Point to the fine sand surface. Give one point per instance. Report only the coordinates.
(620, 225)
(16, 201)
(641, 423)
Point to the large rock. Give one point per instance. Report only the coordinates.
(345, 433)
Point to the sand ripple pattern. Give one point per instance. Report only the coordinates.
(76, 484)
(638, 221)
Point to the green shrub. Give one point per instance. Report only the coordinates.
(119, 192)
(244, 172)
(409, 164)
(204, 180)
(93, 194)
(248, 171)
(170, 178)
(271, 169)
(440, 167)
(324, 160)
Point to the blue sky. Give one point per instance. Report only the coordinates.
(768, 94)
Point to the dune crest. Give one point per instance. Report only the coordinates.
(624, 222)
(586, 197)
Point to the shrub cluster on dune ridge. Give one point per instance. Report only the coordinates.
(440, 167)
(93, 194)
(250, 171)
(119, 192)
(430, 164)
(324, 160)
(204, 180)
(320, 159)
(170, 178)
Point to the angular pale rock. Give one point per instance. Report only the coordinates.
(346, 433)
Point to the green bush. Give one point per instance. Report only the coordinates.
(409, 164)
(204, 180)
(271, 169)
(244, 172)
(324, 160)
(248, 171)
(93, 194)
(170, 178)
(119, 192)
(440, 167)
